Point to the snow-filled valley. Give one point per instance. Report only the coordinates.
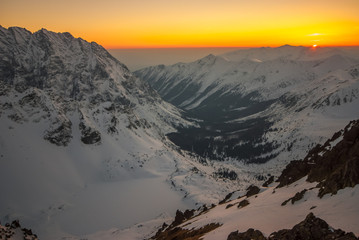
(88, 150)
(261, 105)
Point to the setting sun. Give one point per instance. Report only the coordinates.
(182, 119)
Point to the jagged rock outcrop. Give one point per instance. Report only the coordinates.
(294, 171)
(228, 196)
(61, 135)
(181, 217)
(250, 234)
(89, 135)
(268, 182)
(185, 234)
(50, 77)
(338, 167)
(311, 228)
(252, 190)
(15, 231)
(335, 164)
(297, 197)
(243, 203)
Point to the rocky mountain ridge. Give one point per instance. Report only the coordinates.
(74, 76)
(76, 124)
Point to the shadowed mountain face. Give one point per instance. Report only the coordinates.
(260, 104)
(62, 75)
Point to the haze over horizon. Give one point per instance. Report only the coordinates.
(162, 24)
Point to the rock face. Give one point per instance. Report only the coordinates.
(338, 167)
(61, 135)
(184, 234)
(298, 196)
(250, 234)
(72, 116)
(335, 164)
(181, 217)
(57, 79)
(252, 190)
(311, 228)
(15, 231)
(243, 203)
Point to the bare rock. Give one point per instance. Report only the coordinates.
(250, 234)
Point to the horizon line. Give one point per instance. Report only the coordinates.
(204, 47)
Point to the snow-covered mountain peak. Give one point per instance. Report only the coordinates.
(76, 125)
(209, 61)
(72, 66)
(208, 58)
(262, 104)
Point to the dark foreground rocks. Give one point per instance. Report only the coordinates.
(312, 228)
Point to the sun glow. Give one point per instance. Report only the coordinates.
(188, 23)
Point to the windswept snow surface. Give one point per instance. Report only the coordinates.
(266, 214)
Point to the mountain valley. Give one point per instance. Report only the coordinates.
(90, 150)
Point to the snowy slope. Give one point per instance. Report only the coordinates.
(82, 143)
(282, 205)
(83, 146)
(261, 105)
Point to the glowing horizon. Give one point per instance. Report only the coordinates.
(187, 24)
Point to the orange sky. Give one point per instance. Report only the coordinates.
(191, 23)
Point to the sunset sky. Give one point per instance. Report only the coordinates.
(191, 23)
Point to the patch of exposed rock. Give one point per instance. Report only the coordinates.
(250, 234)
(312, 228)
(252, 190)
(268, 182)
(297, 197)
(182, 216)
(60, 135)
(243, 203)
(182, 234)
(334, 167)
(15, 231)
(89, 135)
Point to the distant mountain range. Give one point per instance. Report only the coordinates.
(86, 145)
(261, 105)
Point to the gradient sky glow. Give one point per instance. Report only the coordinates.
(191, 23)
